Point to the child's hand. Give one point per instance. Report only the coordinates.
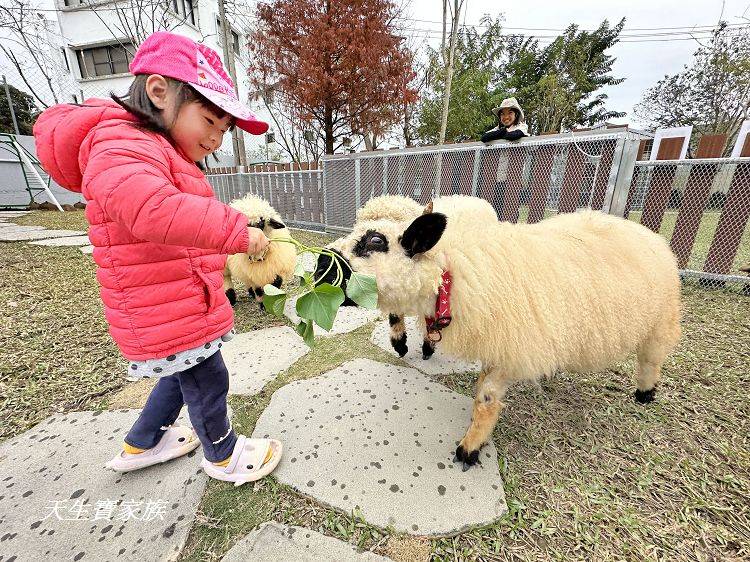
(257, 241)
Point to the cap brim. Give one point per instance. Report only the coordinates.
(244, 118)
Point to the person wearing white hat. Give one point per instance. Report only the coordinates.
(511, 124)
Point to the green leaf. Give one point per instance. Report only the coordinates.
(272, 290)
(320, 305)
(305, 329)
(299, 270)
(363, 289)
(274, 300)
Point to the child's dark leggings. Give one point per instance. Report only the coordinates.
(203, 388)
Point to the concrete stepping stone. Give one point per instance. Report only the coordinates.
(57, 502)
(274, 542)
(7, 227)
(64, 241)
(255, 358)
(348, 318)
(439, 364)
(382, 438)
(17, 236)
(12, 214)
(87, 249)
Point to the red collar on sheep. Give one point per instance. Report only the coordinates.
(442, 316)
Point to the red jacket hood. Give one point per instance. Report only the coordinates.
(60, 131)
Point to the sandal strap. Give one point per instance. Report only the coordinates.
(241, 455)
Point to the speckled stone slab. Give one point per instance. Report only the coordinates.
(255, 358)
(439, 364)
(382, 438)
(348, 318)
(18, 236)
(57, 502)
(64, 241)
(8, 227)
(274, 542)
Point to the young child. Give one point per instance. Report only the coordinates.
(511, 122)
(161, 240)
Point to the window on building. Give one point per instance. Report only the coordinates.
(186, 10)
(74, 3)
(104, 61)
(65, 58)
(236, 44)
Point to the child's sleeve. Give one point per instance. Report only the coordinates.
(132, 184)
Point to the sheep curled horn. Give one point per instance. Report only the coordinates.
(577, 292)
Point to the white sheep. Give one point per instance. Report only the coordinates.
(577, 292)
(274, 266)
(398, 208)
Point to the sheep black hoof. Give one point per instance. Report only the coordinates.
(232, 296)
(645, 396)
(427, 350)
(468, 459)
(399, 345)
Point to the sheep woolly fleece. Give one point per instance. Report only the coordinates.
(281, 258)
(579, 291)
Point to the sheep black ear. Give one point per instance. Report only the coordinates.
(423, 233)
(276, 224)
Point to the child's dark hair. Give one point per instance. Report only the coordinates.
(139, 104)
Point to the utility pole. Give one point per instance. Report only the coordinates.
(238, 140)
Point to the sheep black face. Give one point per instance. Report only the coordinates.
(394, 253)
(326, 270)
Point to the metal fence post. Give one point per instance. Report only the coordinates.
(620, 176)
(475, 173)
(357, 183)
(322, 187)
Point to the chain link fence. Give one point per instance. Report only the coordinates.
(296, 195)
(523, 181)
(702, 207)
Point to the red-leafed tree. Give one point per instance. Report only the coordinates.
(338, 62)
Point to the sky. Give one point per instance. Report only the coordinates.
(641, 63)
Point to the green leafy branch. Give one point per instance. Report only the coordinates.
(319, 303)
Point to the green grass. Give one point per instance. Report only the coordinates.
(589, 474)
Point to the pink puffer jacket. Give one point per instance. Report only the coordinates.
(160, 237)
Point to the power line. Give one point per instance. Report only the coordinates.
(695, 28)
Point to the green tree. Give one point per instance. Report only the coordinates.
(471, 90)
(559, 86)
(24, 108)
(712, 93)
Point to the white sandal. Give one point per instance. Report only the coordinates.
(246, 463)
(176, 441)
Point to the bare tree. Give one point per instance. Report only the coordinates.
(301, 141)
(29, 46)
(449, 52)
(132, 21)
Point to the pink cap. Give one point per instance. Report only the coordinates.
(179, 57)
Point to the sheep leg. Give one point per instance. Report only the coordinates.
(486, 410)
(398, 334)
(229, 288)
(651, 356)
(428, 348)
(277, 282)
(257, 294)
